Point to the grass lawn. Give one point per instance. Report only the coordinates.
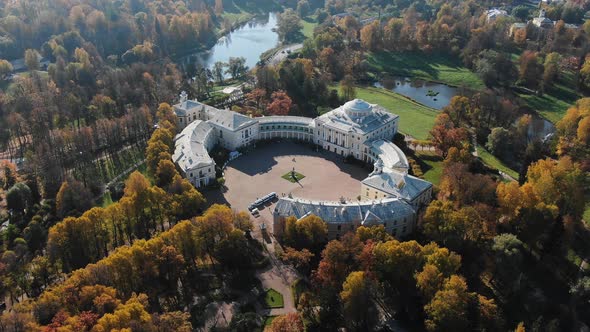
(415, 119)
(553, 104)
(288, 177)
(308, 26)
(490, 160)
(267, 321)
(273, 299)
(106, 199)
(586, 215)
(432, 166)
(433, 67)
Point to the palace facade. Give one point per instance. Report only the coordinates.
(389, 195)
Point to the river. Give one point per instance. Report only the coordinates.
(249, 41)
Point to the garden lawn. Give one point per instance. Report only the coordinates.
(415, 119)
(586, 216)
(431, 165)
(553, 104)
(273, 299)
(308, 26)
(106, 199)
(437, 67)
(490, 160)
(289, 178)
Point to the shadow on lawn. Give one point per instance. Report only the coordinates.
(406, 63)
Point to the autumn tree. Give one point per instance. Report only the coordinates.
(72, 199)
(445, 135)
(8, 174)
(574, 133)
(551, 69)
(300, 259)
(309, 232)
(280, 103)
(448, 309)
(32, 59)
(291, 322)
(531, 70)
(558, 182)
(165, 114)
(459, 110)
(5, 69)
(585, 73)
(257, 99)
(165, 173)
(429, 281)
(371, 38)
(462, 187)
(347, 88)
(357, 301)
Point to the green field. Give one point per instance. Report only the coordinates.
(442, 68)
(415, 119)
(308, 26)
(586, 216)
(273, 299)
(553, 104)
(298, 177)
(432, 166)
(490, 160)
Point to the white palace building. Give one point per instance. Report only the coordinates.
(389, 195)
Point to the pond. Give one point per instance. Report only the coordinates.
(540, 128)
(431, 94)
(438, 95)
(248, 41)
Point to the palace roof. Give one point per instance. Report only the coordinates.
(190, 146)
(370, 212)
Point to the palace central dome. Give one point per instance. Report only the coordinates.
(357, 108)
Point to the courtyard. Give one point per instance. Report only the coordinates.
(326, 176)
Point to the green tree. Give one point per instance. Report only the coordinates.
(19, 197)
(218, 71)
(495, 68)
(508, 253)
(289, 26)
(499, 142)
(236, 67)
(303, 8)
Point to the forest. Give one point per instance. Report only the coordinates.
(99, 230)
